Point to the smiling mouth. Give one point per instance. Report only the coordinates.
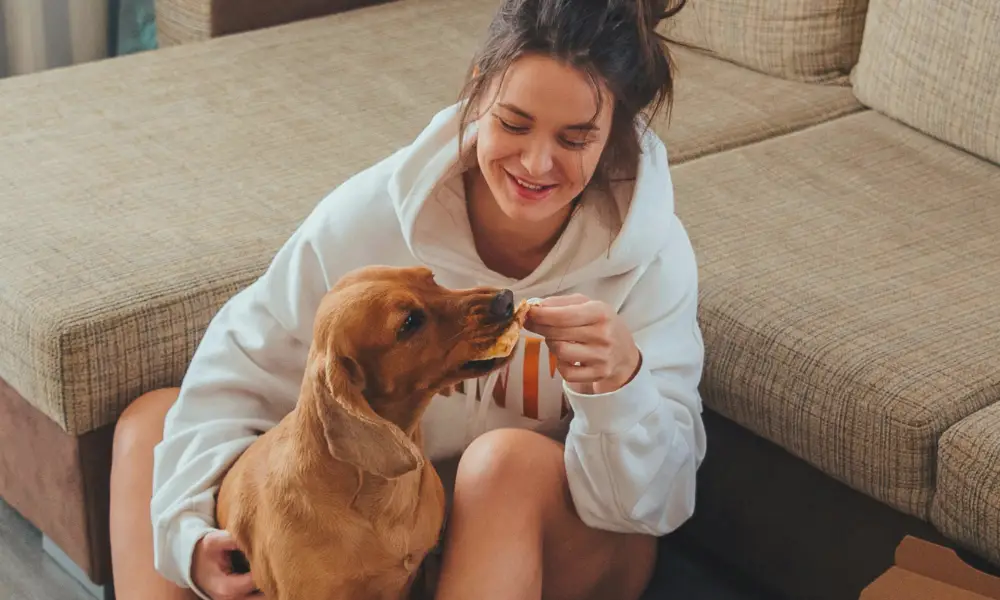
(529, 186)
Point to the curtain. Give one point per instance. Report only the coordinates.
(136, 26)
(42, 34)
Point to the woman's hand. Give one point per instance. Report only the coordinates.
(212, 571)
(594, 350)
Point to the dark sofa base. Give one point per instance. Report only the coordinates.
(57, 481)
(778, 519)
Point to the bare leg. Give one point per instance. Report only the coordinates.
(513, 532)
(138, 431)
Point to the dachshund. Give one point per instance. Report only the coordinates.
(337, 501)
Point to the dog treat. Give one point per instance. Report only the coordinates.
(505, 345)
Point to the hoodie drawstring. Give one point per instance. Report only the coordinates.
(482, 390)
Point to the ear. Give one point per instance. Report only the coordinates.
(354, 433)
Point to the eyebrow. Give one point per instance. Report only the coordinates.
(588, 126)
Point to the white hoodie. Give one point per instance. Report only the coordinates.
(631, 455)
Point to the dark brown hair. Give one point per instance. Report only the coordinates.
(612, 41)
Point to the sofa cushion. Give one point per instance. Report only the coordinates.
(719, 105)
(967, 502)
(807, 40)
(138, 194)
(935, 65)
(849, 275)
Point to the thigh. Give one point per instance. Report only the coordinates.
(139, 430)
(519, 476)
(584, 563)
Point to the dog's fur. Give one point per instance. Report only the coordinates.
(337, 501)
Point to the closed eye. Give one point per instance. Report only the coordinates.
(509, 126)
(519, 130)
(414, 320)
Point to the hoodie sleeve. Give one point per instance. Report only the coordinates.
(632, 454)
(243, 378)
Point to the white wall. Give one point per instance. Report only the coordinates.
(41, 34)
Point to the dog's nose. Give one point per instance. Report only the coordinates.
(502, 305)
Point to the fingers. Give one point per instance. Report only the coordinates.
(220, 581)
(567, 300)
(570, 352)
(584, 335)
(580, 363)
(224, 586)
(583, 373)
(596, 335)
(570, 315)
(238, 586)
(220, 541)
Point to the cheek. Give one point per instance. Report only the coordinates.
(493, 147)
(579, 167)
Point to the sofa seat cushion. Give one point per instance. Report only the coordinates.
(138, 194)
(935, 65)
(967, 502)
(719, 105)
(803, 40)
(849, 277)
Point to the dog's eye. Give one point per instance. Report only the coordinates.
(414, 320)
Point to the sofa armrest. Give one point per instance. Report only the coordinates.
(185, 21)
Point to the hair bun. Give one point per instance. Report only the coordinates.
(650, 12)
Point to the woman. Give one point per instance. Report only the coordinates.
(543, 179)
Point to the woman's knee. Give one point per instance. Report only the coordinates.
(141, 423)
(512, 460)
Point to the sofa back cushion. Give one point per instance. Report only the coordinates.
(935, 65)
(804, 40)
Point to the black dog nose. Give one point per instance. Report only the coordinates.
(502, 305)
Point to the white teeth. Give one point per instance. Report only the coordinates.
(528, 185)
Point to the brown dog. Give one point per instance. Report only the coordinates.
(337, 501)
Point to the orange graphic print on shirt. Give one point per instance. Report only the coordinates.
(531, 380)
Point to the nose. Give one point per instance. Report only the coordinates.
(537, 158)
(502, 305)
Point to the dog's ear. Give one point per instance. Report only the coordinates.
(354, 433)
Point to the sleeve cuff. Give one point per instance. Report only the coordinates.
(192, 529)
(616, 411)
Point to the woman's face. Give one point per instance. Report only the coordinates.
(538, 142)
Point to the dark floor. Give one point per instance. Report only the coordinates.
(684, 573)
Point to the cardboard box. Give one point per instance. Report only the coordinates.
(927, 571)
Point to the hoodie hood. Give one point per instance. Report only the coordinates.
(436, 228)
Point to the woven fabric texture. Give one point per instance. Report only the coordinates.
(804, 40)
(141, 193)
(132, 215)
(935, 65)
(719, 105)
(967, 503)
(849, 276)
(182, 21)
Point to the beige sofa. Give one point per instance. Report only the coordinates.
(836, 163)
